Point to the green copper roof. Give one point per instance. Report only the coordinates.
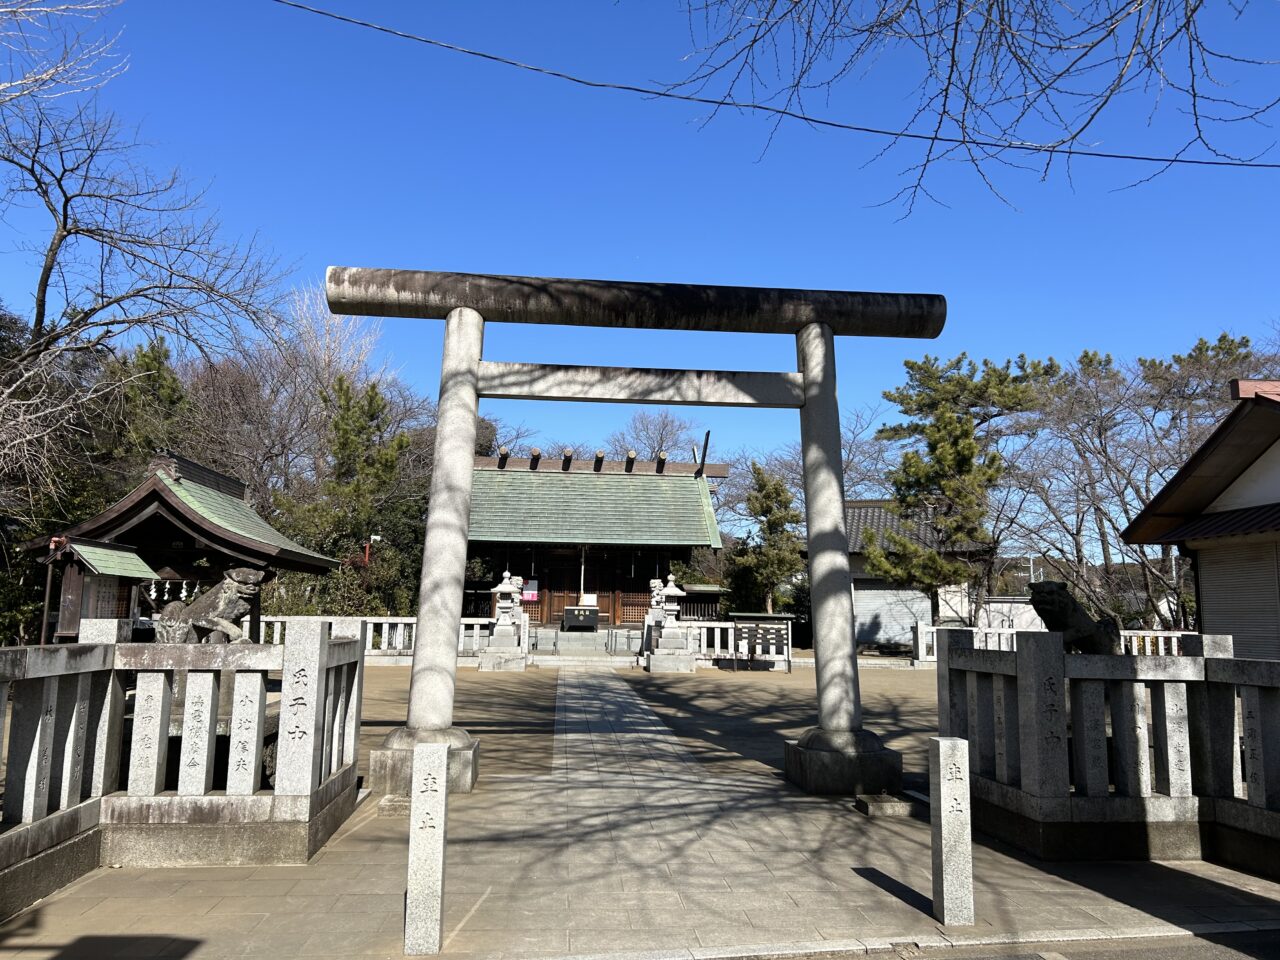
(113, 562)
(553, 507)
(231, 513)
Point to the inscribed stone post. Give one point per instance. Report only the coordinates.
(301, 718)
(26, 789)
(952, 842)
(982, 734)
(1211, 719)
(199, 733)
(424, 895)
(1008, 762)
(106, 712)
(71, 726)
(248, 717)
(1042, 715)
(152, 700)
(1260, 712)
(1171, 738)
(1089, 738)
(1129, 738)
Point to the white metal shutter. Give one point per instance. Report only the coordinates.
(1239, 595)
(885, 614)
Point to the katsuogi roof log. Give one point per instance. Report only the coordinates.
(369, 291)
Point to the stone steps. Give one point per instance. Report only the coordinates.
(553, 661)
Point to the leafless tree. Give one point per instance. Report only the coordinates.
(263, 414)
(1108, 438)
(867, 459)
(516, 437)
(125, 255)
(578, 449)
(994, 81)
(46, 51)
(649, 433)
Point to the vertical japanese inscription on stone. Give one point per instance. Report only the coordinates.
(952, 846)
(248, 712)
(424, 895)
(1089, 738)
(26, 793)
(152, 700)
(1129, 738)
(1042, 723)
(199, 733)
(1260, 709)
(71, 729)
(1171, 733)
(301, 735)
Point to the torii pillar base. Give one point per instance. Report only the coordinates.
(391, 766)
(842, 764)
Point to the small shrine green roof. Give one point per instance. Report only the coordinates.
(112, 561)
(575, 507)
(233, 514)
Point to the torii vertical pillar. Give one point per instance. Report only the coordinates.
(837, 756)
(444, 561)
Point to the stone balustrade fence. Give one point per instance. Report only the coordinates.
(768, 643)
(1152, 756)
(167, 754)
(1134, 642)
(394, 636)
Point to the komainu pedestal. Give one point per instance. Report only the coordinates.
(842, 763)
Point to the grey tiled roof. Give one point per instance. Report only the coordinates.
(877, 517)
(874, 516)
(1228, 523)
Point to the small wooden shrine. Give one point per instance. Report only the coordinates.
(181, 532)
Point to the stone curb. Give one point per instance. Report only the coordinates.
(833, 949)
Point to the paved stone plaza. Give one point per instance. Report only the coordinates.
(625, 812)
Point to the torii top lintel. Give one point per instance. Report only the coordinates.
(367, 291)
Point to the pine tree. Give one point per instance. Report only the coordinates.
(959, 414)
(354, 500)
(770, 555)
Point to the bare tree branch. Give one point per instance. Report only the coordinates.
(993, 78)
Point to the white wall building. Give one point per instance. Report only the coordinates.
(884, 613)
(1223, 509)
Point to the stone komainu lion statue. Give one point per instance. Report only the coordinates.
(215, 615)
(1062, 613)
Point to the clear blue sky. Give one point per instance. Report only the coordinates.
(337, 145)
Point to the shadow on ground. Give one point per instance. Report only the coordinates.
(34, 935)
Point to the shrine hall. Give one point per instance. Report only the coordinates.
(586, 531)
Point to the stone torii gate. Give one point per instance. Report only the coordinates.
(837, 756)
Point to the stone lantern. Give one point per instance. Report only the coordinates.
(503, 651)
(504, 631)
(671, 595)
(671, 653)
